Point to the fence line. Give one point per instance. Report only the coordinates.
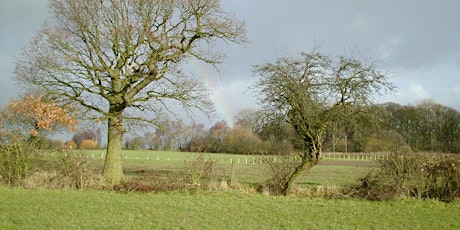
(262, 160)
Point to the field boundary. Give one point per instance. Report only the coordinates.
(251, 159)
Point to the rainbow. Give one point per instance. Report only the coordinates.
(222, 110)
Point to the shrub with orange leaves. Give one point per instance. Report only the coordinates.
(70, 145)
(33, 115)
(88, 145)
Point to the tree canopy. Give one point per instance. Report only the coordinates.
(311, 91)
(113, 57)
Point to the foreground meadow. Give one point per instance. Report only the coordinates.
(90, 209)
(218, 206)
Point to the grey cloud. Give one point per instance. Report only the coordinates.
(410, 36)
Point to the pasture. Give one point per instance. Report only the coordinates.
(220, 208)
(90, 209)
(340, 170)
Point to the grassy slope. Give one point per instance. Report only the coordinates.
(44, 209)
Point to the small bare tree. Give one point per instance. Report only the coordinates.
(115, 57)
(311, 91)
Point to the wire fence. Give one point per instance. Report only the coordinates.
(260, 159)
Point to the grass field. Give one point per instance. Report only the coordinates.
(45, 209)
(222, 209)
(246, 169)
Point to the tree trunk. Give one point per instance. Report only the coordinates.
(112, 166)
(304, 167)
(309, 159)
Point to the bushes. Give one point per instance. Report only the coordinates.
(20, 166)
(199, 170)
(440, 179)
(406, 174)
(281, 170)
(88, 145)
(198, 173)
(74, 168)
(14, 164)
(70, 170)
(70, 145)
(241, 140)
(149, 184)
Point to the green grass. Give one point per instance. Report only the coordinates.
(247, 169)
(223, 209)
(46, 209)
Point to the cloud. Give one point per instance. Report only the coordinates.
(417, 41)
(417, 92)
(18, 21)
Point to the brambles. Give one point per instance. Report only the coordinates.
(282, 170)
(406, 174)
(151, 183)
(197, 173)
(14, 164)
(74, 168)
(200, 170)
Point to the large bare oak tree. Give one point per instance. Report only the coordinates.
(310, 92)
(113, 57)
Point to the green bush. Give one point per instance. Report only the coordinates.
(406, 174)
(199, 171)
(74, 169)
(14, 164)
(281, 172)
(440, 179)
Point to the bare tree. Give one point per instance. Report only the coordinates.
(311, 91)
(248, 118)
(114, 57)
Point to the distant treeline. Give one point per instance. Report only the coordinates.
(427, 126)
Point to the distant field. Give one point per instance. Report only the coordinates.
(89, 209)
(335, 169)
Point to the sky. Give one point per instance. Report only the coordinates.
(417, 42)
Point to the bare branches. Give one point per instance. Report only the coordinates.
(124, 52)
(311, 91)
(313, 85)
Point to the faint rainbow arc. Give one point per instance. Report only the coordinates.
(222, 110)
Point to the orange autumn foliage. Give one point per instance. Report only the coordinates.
(34, 116)
(88, 145)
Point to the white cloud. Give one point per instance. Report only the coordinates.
(418, 92)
